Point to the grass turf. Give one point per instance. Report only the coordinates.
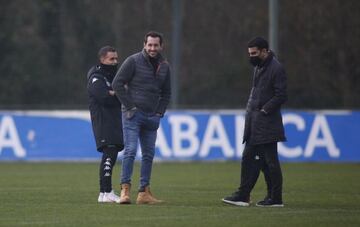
(65, 194)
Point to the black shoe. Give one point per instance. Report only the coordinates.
(267, 197)
(269, 203)
(236, 199)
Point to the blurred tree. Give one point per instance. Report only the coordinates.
(46, 48)
(319, 44)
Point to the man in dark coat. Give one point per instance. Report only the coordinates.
(105, 111)
(263, 128)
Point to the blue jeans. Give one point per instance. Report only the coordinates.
(143, 127)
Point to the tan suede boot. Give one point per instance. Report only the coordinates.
(125, 194)
(146, 197)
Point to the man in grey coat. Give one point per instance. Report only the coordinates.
(142, 84)
(263, 128)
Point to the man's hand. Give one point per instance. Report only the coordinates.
(130, 113)
(111, 92)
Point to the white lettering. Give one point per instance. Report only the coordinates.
(300, 125)
(181, 134)
(161, 143)
(215, 126)
(320, 125)
(9, 137)
(239, 132)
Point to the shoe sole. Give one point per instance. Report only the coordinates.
(242, 204)
(125, 202)
(149, 203)
(110, 201)
(274, 205)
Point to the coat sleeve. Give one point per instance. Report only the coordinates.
(100, 91)
(122, 78)
(280, 94)
(165, 94)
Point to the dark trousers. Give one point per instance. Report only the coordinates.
(256, 158)
(108, 160)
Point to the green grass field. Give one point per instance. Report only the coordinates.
(65, 194)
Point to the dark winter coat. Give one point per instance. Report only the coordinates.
(268, 93)
(139, 84)
(105, 110)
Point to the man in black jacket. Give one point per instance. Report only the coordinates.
(263, 128)
(143, 86)
(105, 111)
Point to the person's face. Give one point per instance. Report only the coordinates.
(256, 52)
(256, 56)
(152, 46)
(111, 58)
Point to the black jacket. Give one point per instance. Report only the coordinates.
(139, 84)
(105, 110)
(268, 93)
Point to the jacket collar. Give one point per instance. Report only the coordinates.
(267, 60)
(99, 69)
(158, 57)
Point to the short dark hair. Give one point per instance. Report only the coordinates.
(154, 35)
(104, 50)
(258, 42)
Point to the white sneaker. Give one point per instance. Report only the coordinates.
(101, 197)
(111, 197)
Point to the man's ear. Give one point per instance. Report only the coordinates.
(101, 59)
(263, 52)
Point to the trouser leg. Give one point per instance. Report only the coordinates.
(250, 170)
(107, 163)
(267, 178)
(147, 142)
(273, 171)
(131, 130)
